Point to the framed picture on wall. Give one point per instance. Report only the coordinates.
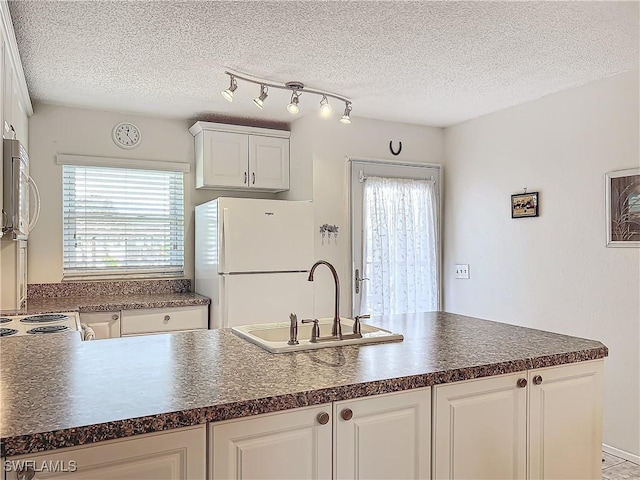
(524, 205)
(622, 201)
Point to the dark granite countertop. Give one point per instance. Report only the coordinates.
(72, 393)
(108, 303)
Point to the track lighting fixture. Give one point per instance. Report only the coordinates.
(293, 105)
(347, 111)
(296, 89)
(228, 93)
(259, 101)
(325, 108)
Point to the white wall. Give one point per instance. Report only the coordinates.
(319, 147)
(55, 129)
(552, 272)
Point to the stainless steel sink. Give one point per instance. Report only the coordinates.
(273, 337)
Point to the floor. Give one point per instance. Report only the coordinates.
(614, 468)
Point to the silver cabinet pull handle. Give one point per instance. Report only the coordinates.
(537, 380)
(26, 473)
(253, 177)
(522, 382)
(323, 418)
(346, 414)
(245, 178)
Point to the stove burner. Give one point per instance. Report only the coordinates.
(4, 319)
(46, 318)
(49, 329)
(5, 332)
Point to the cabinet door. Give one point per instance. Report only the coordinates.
(480, 429)
(225, 159)
(269, 162)
(385, 436)
(565, 421)
(288, 445)
(175, 455)
(159, 320)
(7, 94)
(104, 324)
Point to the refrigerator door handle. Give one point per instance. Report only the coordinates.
(224, 244)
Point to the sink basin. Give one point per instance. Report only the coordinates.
(273, 337)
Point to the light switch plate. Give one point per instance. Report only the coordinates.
(462, 270)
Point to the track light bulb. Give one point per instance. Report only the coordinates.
(228, 93)
(325, 108)
(293, 105)
(259, 101)
(347, 111)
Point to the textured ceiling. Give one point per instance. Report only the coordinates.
(429, 63)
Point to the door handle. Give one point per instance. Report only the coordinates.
(358, 280)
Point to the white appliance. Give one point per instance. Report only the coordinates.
(253, 258)
(41, 324)
(16, 185)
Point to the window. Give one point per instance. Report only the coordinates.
(122, 221)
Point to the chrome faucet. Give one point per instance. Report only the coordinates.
(336, 330)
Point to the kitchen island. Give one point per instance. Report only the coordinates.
(60, 392)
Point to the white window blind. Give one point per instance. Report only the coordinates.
(122, 221)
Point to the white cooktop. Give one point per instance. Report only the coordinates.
(39, 324)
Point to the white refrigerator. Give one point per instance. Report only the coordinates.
(252, 259)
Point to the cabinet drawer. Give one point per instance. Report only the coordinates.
(156, 320)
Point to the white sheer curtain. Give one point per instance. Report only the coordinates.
(399, 246)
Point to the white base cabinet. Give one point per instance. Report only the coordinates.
(541, 424)
(383, 437)
(146, 321)
(163, 320)
(173, 455)
(565, 421)
(288, 445)
(480, 429)
(103, 324)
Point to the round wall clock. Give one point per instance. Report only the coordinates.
(126, 135)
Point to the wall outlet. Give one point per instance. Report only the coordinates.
(462, 270)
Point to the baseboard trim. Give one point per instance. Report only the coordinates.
(621, 453)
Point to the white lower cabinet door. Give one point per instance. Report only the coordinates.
(103, 324)
(173, 455)
(565, 421)
(295, 444)
(479, 428)
(384, 436)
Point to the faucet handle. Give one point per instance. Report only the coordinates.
(293, 330)
(356, 323)
(315, 330)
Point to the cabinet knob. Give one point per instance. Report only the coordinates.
(115, 317)
(25, 473)
(522, 382)
(346, 414)
(166, 318)
(537, 380)
(323, 418)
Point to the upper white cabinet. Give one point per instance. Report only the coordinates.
(480, 426)
(16, 105)
(239, 158)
